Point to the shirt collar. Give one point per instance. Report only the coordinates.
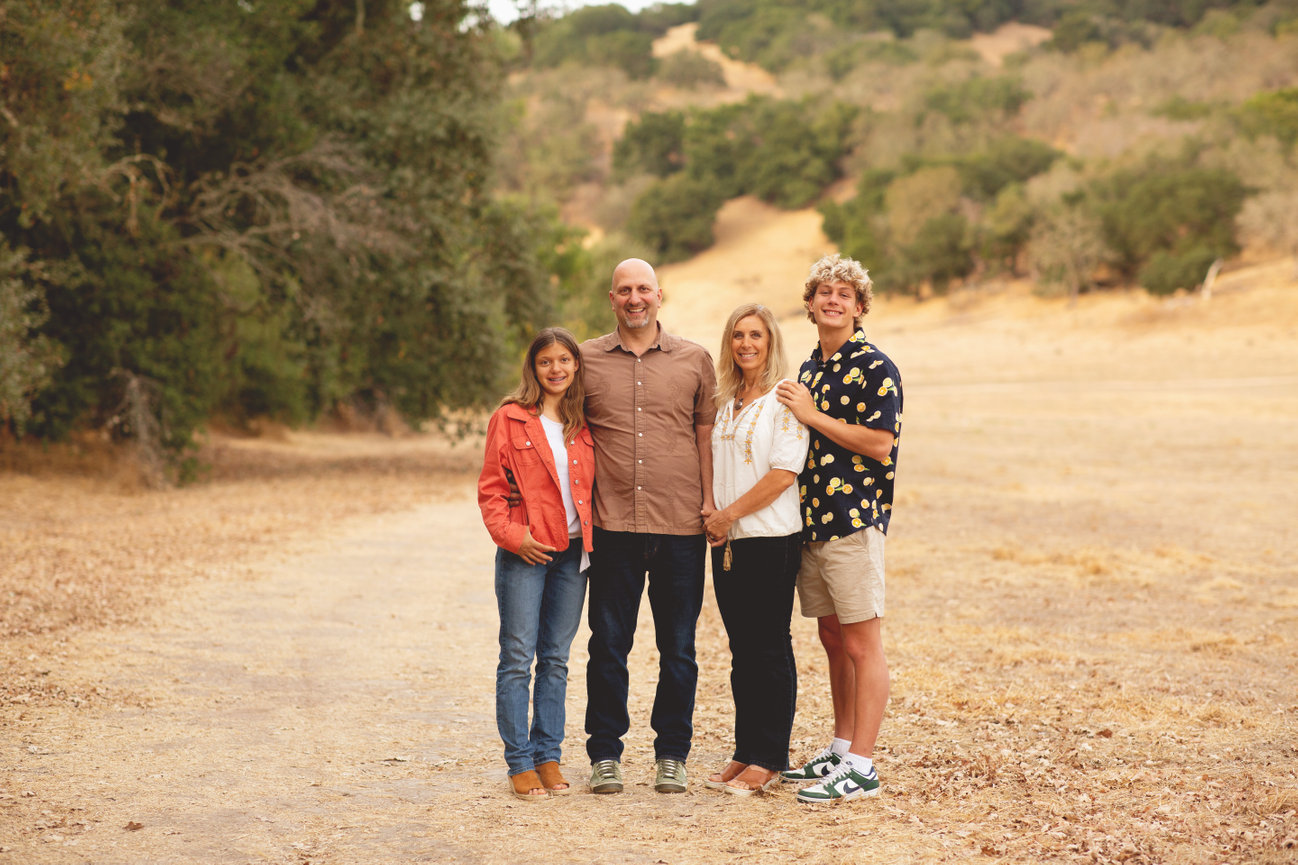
(857, 338)
(664, 342)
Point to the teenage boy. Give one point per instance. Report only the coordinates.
(848, 395)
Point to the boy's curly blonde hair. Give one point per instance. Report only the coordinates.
(836, 268)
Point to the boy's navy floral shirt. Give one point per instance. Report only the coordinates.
(843, 492)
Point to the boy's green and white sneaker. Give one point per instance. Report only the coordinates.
(844, 785)
(814, 769)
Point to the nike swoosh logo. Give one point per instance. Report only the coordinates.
(849, 787)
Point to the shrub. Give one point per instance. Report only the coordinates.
(689, 69)
(942, 251)
(654, 144)
(1166, 272)
(1006, 160)
(28, 359)
(1274, 113)
(978, 98)
(674, 218)
(1182, 210)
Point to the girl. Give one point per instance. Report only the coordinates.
(538, 439)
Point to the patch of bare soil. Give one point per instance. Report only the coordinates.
(744, 77)
(1093, 622)
(1008, 39)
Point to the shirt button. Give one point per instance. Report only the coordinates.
(637, 408)
(639, 488)
(637, 384)
(640, 434)
(574, 462)
(528, 444)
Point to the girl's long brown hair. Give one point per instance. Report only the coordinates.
(528, 394)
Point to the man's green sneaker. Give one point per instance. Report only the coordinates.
(669, 776)
(844, 785)
(814, 769)
(606, 777)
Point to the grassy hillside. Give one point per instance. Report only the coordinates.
(1132, 152)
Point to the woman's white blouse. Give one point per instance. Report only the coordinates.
(748, 443)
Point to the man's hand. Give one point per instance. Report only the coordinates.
(709, 513)
(715, 525)
(515, 497)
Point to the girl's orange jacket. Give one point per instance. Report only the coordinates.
(516, 443)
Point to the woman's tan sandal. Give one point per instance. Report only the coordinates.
(552, 779)
(528, 787)
(751, 781)
(717, 780)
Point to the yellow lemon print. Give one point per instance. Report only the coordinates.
(876, 364)
(874, 416)
(826, 518)
(860, 407)
(847, 488)
(844, 399)
(856, 523)
(826, 459)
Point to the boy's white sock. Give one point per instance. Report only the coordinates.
(860, 765)
(840, 746)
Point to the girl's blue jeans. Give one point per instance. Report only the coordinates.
(540, 611)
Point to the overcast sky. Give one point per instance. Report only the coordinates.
(505, 11)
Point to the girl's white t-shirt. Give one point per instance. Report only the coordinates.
(554, 435)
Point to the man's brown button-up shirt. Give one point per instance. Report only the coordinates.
(642, 412)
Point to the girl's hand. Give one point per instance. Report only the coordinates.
(533, 551)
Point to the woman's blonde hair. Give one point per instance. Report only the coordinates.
(729, 377)
(836, 268)
(529, 393)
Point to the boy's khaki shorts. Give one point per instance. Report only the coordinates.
(843, 577)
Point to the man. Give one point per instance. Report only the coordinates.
(649, 406)
(848, 394)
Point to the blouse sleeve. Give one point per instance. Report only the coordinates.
(789, 442)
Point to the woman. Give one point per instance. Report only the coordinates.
(538, 439)
(758, 448)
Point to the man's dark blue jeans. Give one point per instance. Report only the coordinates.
(674, 565)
